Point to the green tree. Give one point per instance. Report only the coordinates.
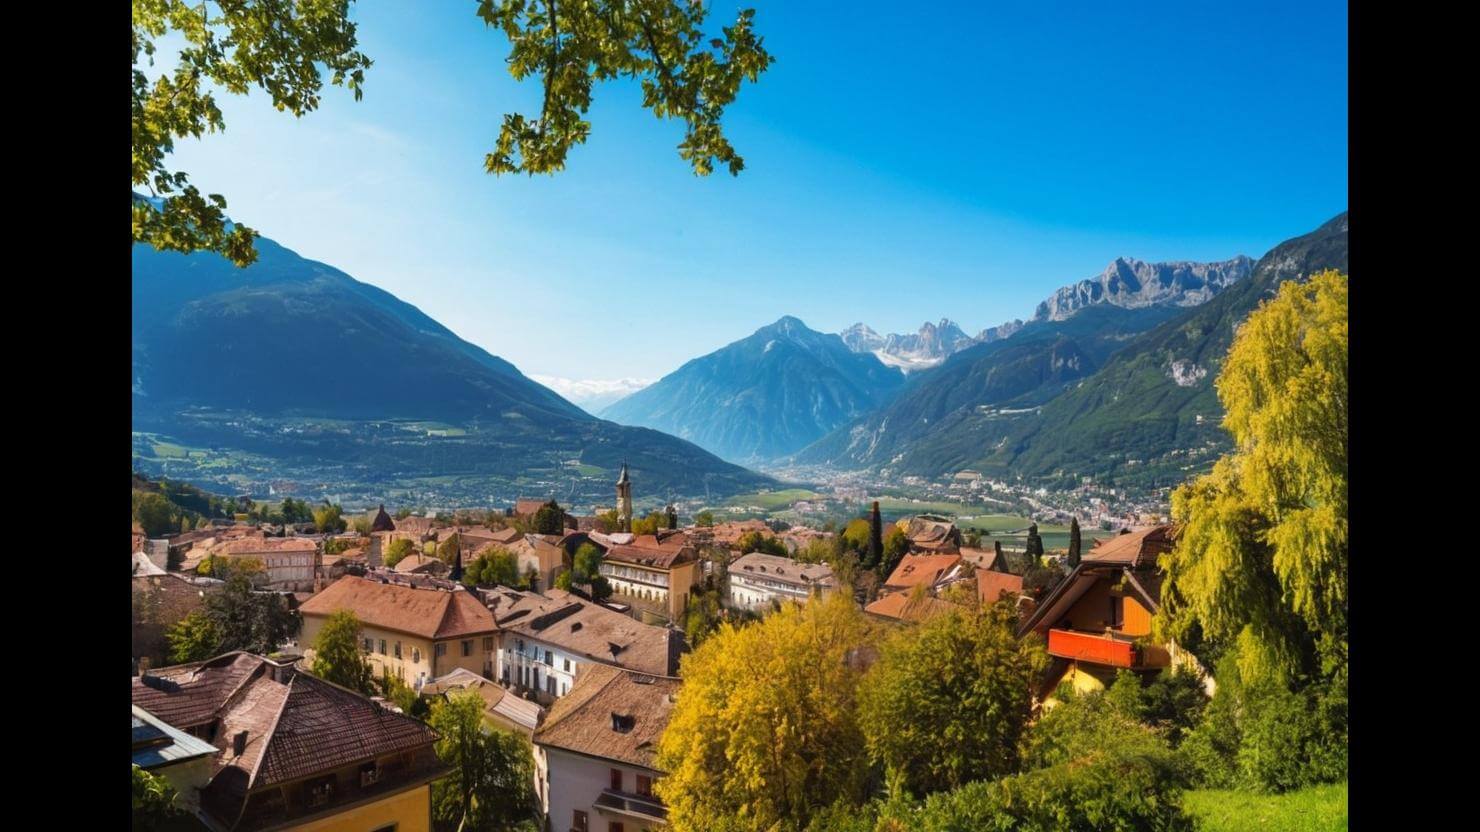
(586, 570)
(329, 519)
(765, 732)
(497, 566)
(154, 514)
(396, 550)
(1261, 561)
(874, 555)
(965, 680)
(337, 657)
(1074, 542)
(491, 782)
(257, 622)
(154, 800)
(1034, 544)
(550, 519)
(704, 518)
(404, 696)
(758, 541)
(855, 537)
(194, 638)
(672, 522)
(896, 546)
(447, 549)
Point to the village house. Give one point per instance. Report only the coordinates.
(160, 600)
(933, 572)
(655, 574)
(546, 639)
(595, 755)
(165, 751)
(501, 707)
(1097, 620)
(758, 580)
(288, 750)
(290, 561)
(541, 554)
(419, 564)
(411, 633)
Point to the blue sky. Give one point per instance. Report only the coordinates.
(903, 165)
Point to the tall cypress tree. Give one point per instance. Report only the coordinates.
(1074, 542)
(672, 517)
(875, 536)
(1035, 542)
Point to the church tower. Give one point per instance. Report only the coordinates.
(624, 501)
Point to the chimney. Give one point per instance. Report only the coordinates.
(144, 666)
(239, 743)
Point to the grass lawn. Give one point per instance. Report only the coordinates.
(1316, 809)
(772, 500)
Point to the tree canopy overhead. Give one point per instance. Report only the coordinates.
(285, 46)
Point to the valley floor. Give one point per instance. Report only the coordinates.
(1316, 809)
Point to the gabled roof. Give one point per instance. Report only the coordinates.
(528, 505)
(648, 550)
(188, 695)
(585, 629)
(991, 585)
(1138, 548)
(157, 743)
(429, 613)
(903, 606)
(497, 701)
(786, 570)
(613, 714)
(265, 545)
(420, 563)
(922, 570)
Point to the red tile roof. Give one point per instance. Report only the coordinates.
(190, 694)
(429, 613)
(921, 570)
(991, 585)
(265, 545)
(527, 506)
(903, 606)
(647, 550)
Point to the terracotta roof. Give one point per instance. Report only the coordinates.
(922, 570)
(730, 532)
(991, 585)
(497, 701)
(786, 570)
(1139, 548)
(587, 629)
(612, 714)
(430, 613)
(420, 563)
(505, 536)
(416, 525)
(265, 545)
(526, 505)
(382, 522)
(903, 607)
(983, 558)
(647, 550)
(925, 530)
(190, 694)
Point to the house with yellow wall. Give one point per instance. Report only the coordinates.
(293, 752)
(1097, 620)
(412, 633)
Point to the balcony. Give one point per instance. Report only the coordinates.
(1106, 648)
(631, 805)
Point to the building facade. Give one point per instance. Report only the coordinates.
(759, 581)
(410, 633)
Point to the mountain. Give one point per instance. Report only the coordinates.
(1144, 413)
(765, 395)
(1134, 284)
(292, 370)
(927, 348)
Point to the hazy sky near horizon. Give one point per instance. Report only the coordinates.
(957, 161)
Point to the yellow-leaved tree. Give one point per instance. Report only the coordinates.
(1261, 559)
(765, 731)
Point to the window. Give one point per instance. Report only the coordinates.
(644, 785)
(441, 650)
(567, 665)
(550, 685)
(564, 688)
(549, 658)
(369, 645)
(382, 647)
(578, 821)
(534, 678)
(616, 779)
(398, 649)
(320, 791)
(1117, 611)
(467, 647)
(488, 644)
(369, 774)
(416, 654)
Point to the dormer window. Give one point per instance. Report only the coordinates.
(622, 723)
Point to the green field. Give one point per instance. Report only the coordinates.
(590, 470)
(1316, 809)
(772, 500)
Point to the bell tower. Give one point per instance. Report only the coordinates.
(624, 501)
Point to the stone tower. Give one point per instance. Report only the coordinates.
(624, 501)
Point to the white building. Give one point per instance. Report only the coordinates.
(545, 639)
(758, 579)
(595, 753)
